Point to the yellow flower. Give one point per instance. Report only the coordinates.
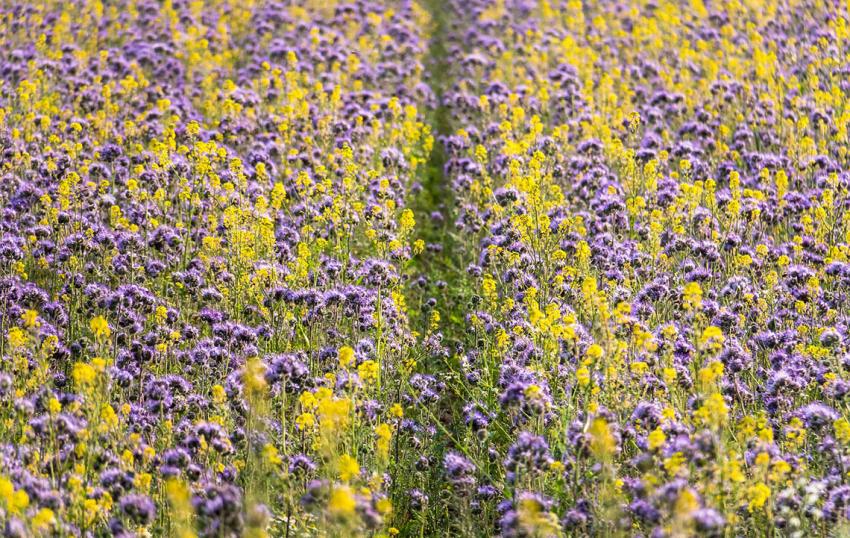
(90, 509)
(143, 481)
(758, 496)
(43, 519)
(254, 379)
(532, 392)
(100, 327)
(731, 469)
(692, 296)
(179, 499)
(686, 503)
(594, 352)
(17, 338)
(669, 375)
(488, 286)
(384, 433)
(842, 430)
(30, 319)
(334, 414)
(638, 367)
(15, 500)
(780, 469)
(304, 421)
(54, 406)
(602, 442)
(83, 374)
(656, 439)
(218, 394)
(397, 410)
(346, 356)
(129, 459)
(536, 520)
(502, 339)
(710, 373)
(342, 502)
(674, 463)
(347, 467)
(712, 337)
(270, 455)
(384, 506)
(193, 128)
(307, 400)
(407, 221)
(583, 376)
(368, 370)
(714, 411)
(108, 415)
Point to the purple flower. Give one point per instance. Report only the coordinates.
(139, 509)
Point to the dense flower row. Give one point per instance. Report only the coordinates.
(654, 196)
(204, 234)
(246, 289)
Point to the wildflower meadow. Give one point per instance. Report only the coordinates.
(420, 268)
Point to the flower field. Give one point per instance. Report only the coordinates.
(424, 268)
